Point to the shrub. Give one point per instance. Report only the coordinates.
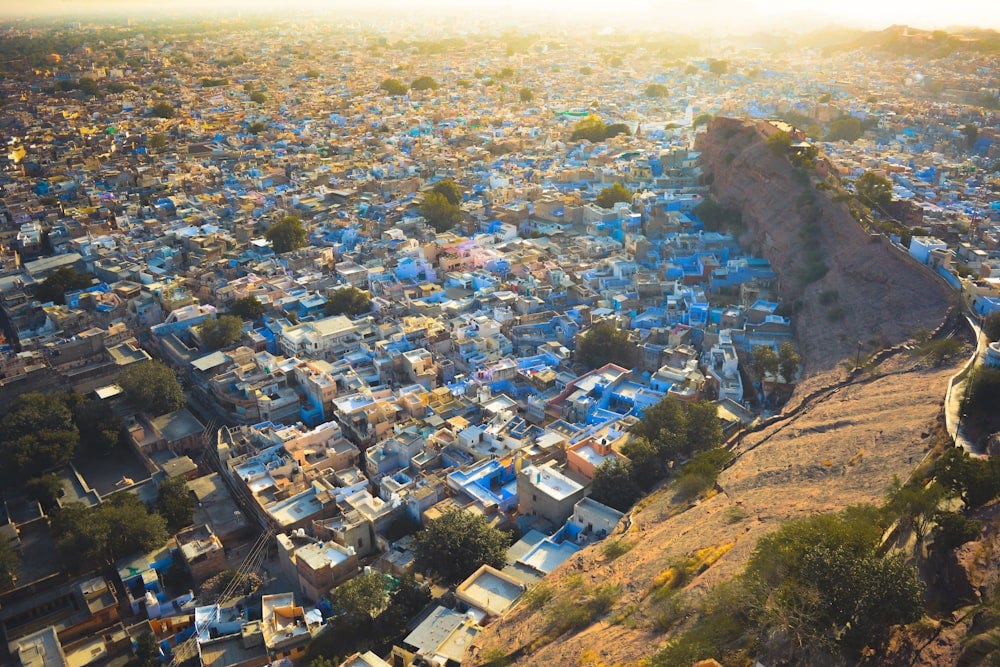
(612, 549)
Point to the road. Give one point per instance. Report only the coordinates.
(956, 390)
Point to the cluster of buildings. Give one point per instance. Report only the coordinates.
(312, 439)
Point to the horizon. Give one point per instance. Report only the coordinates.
(710, 16)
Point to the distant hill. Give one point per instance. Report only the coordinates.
(903, 40)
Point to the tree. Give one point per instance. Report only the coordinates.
(247, 308)
(593, 129)
(348, 301)
(176, 504)
(702, 119)
(156, 142)
(971, 133)
(613, 194)
(613, 484)
(222, 332)
(665, 426)
(450, 190)
(991, 326)
(874, 190)
(440, 213)
(363, 598)
(656, 90)
(46, 489)
(151, 387)
(287, 235)
(454, 545)
(10, 562)
(914, 504)
(90, 537)
(648, 466)
(62, 280)
(716, 66)
(821, 582)
(953, 530)
(258, 97)
(394, 87)
(715, 216)
(973, 480)
(37, 434)
(100, 428)
(526, 95)
(764, 361)
(424, 83)
(604, 343)
(845, 128)
(788, 361)
(147, 652)
(779, 142)
(163, 110)
(703, 429)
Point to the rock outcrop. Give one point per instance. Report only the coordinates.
(871, 292)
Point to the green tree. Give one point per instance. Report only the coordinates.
(37, 434)
(614, 485)
(91, 537)
(845, 128)
(454, 545)
(163, 110)
(221, 332)
(703, 430)
(788, 361)
(702, 119)
(156, 142)
(656, 90)
(424, 83)
(953, 530)
(779, 142)
(699, 474)
(971, 133)
(593, 129)
(715, 216)
(88, 86)
(975, 481)
(176, 503)
(874, 190)
(62, 280)
(716, 66)
(822, 583)
(10, 562)
(526, 95)
(100, 428)
(151, 387)
(991, 326)
(613, 194)
(147, 652)
(363, 598)
(258, 97)
(604, 343)
(287, 235)
(46, 489)
(665, 426)
(914, 505)
(450, 190)
(394, 87)
(247, 308)
(764, 361)
(648, 465)
(348, 301)
(440, 213)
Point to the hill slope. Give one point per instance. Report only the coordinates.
(872, 292)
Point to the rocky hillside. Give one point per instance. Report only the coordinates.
(870, 292)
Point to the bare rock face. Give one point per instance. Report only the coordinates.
(871, 292)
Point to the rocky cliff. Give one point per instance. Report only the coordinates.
(843, 284)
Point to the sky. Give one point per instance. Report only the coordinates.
(725, 15)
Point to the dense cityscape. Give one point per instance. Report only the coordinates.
(341, 343)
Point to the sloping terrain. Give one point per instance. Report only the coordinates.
(841, 450)
(871, 292)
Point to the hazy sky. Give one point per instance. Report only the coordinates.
(677, 14)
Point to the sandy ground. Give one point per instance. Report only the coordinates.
(840, 450)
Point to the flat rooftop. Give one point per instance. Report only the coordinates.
(490, 590)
